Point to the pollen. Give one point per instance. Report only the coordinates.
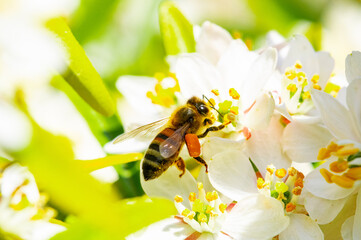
(297, 191)
(214, 195)
(290, 207)
(234, 110)
(222, 207)
(215, 92)
(298, 65)
(290, 73)
(185, 212)
(209, 209)
(212, 101)
(209, 196)
(178, 199)
(292, 87)
(234, 94)
(354, 173)
(202, 217)
(317, 87)
(347, 150)
(323, 154)
(292, 171)
(326, 175)
(260, 183)
(191, 215)
(192, 196)
(301, 76)
(281, 187)
(299, 183)
(339, 166)
(315, 78)
(281, 173)
(270, 169)
(343, 181)
(306, 95)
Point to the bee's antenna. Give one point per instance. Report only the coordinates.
(212, 106)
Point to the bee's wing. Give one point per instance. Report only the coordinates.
(171, 145)
(145, 130)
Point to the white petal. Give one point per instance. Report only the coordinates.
(256, 217)
(231, 173)
(326, 64)
(322, 210)
(353, 63)
(169, 184)
(301, 142)
(353, 98)
(261, 112)
(357, 221)
(43, 230)
(274, 38)
(196, 75)
(212, 41)
(215, 145)
(346, 229)
(234, 64)
(335, 116)
(317, 185)
(264, 146)
(301, 227)
(257, 76)
(170, 228)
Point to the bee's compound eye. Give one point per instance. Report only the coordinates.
(202, 109)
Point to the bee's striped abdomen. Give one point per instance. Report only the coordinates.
(154, 164)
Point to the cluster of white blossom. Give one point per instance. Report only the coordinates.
(288, 110)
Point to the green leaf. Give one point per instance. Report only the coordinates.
(176, 31)
(81, 74)
(92, 165)
(314, 35)
(74, 191)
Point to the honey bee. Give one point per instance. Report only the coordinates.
(182, 127)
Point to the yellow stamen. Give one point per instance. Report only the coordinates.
(234, 94)
(215, 92)
(306, 95)
(212, 101)
(209, 209)
(292, 87)
(214, 195)
(178, 199)
(191, 215)
(209, 196)
(290, 73)
(326, 175)
(290, 207)
(234, 110)
(192, 196)
(281, 173)
(298, 65)
(185, 212)
(301, 76)
(222, 207)
(354, 173)
(343, 181)
(317, 87)
(297, 191)
(347, 150)
(299, 183)
(202, 217)
(315, 78)
(339, 166)
(323, 154)
(159, 76)
(292, 171)
(270, 169)
(260, 183)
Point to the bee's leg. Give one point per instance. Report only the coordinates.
(212, 129)
(181, 166)
(201, 161)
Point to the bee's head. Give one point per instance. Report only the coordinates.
(200, 105)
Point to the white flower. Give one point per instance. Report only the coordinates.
(232, 174)
(21, 207)
(207, 217)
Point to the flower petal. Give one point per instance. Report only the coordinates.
(169, 184)
(346, 229)
(196, 75)
(322, 210)
(356, 232)
(335, 116)
(231, 173)
(258, 75)
(317, 185)
(264, 146)
(256, 217)
(353, 63)
(170, 228)
(261, 112)
(215, 145)
(212, 41)
(301, 227)
(353, 99)
(326, 64)
(301, 141)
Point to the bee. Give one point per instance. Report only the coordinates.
(185, 125)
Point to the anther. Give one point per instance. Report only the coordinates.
(222, 207)
(297, 191)
(353, 173)
(234, 94)
(290, 207)
(298, 65)
(178, 199)
(281, 173)
(299, 183)
(326, 175)
(339, 166)
(215, 92)
(347, 150)
(192, 196)
(202, 217)
(315, 78)
(343, 181)
(317, 87)
(260, 183)
(290, 73)
(185, 212)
